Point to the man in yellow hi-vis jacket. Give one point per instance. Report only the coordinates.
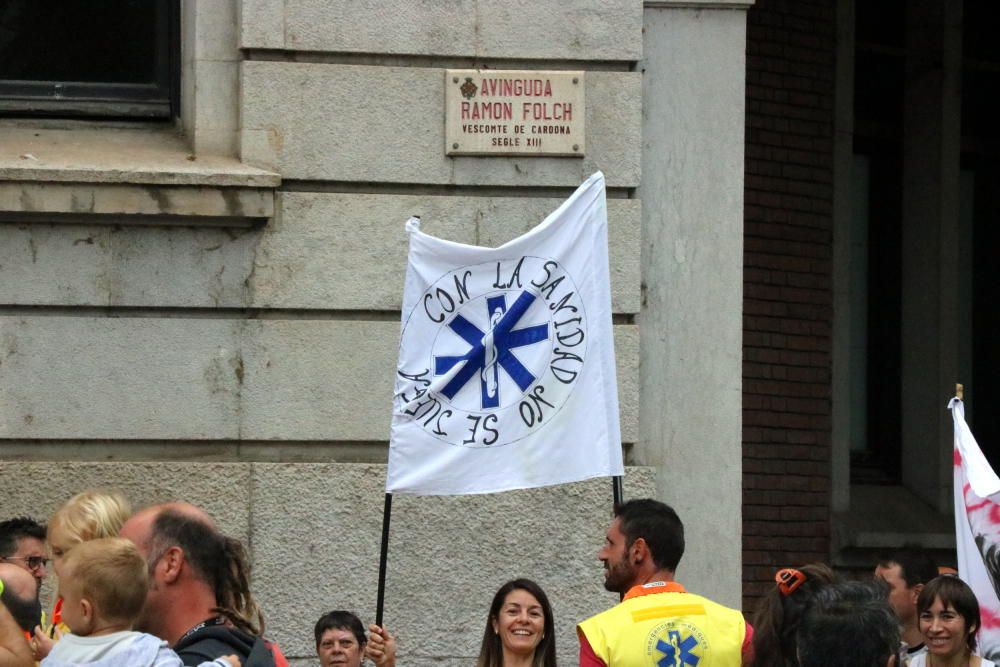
(658, 623)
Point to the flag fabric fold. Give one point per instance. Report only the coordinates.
(977, 528)
(506, 374)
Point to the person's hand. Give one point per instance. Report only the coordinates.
(233, 660)
(381, 646)
(41, 643)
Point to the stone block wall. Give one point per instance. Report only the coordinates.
(787, 303)
(314, 530)
(210, 311)
(250, 369)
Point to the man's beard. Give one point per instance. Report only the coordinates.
(27, 613)
(619, 577)
(146, 621)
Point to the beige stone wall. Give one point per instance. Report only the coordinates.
(314, 532)
(150, 321)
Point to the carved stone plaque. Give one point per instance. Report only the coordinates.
(514, 112)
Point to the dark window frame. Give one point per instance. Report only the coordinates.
(159, 100)
(880, 59)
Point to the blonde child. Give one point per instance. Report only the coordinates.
(103, 584)
(86, 516)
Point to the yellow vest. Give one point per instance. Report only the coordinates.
(666, 629)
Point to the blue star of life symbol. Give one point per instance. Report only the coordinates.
(677, 652)
(491, 350)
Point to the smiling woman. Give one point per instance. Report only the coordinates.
(949, 620)
(519, 629)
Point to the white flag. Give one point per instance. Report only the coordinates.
(506, 376)
(977, 528)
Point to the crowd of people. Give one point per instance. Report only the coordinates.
(164, 587)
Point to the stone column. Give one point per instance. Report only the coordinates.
(692, 270)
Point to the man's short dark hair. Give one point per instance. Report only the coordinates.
(854, 614)
(915, 565)
(13, 530)
(340, 620)
(658, 525)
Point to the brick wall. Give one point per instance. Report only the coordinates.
(787, 304)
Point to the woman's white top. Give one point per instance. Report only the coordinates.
(921, 661)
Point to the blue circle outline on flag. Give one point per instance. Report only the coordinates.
(495, 350)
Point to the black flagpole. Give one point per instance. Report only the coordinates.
(618, 493)
(383, 558)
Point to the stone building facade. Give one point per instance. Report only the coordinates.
(208, 308)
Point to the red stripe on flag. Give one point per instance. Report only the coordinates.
(978, 506)
(990, 618)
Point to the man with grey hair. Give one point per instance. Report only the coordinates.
(199, 599)
(849, 625)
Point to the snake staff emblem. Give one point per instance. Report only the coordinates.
(491, 350)
(491, 374)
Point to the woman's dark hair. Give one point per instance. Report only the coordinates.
(953, 592)
(340, 620)
(779, 612)
(491, 652)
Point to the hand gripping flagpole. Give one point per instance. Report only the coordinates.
(383, 558)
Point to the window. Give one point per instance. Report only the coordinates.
(981, 160)
(877, 396)
(79, 58)
(876, 262)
